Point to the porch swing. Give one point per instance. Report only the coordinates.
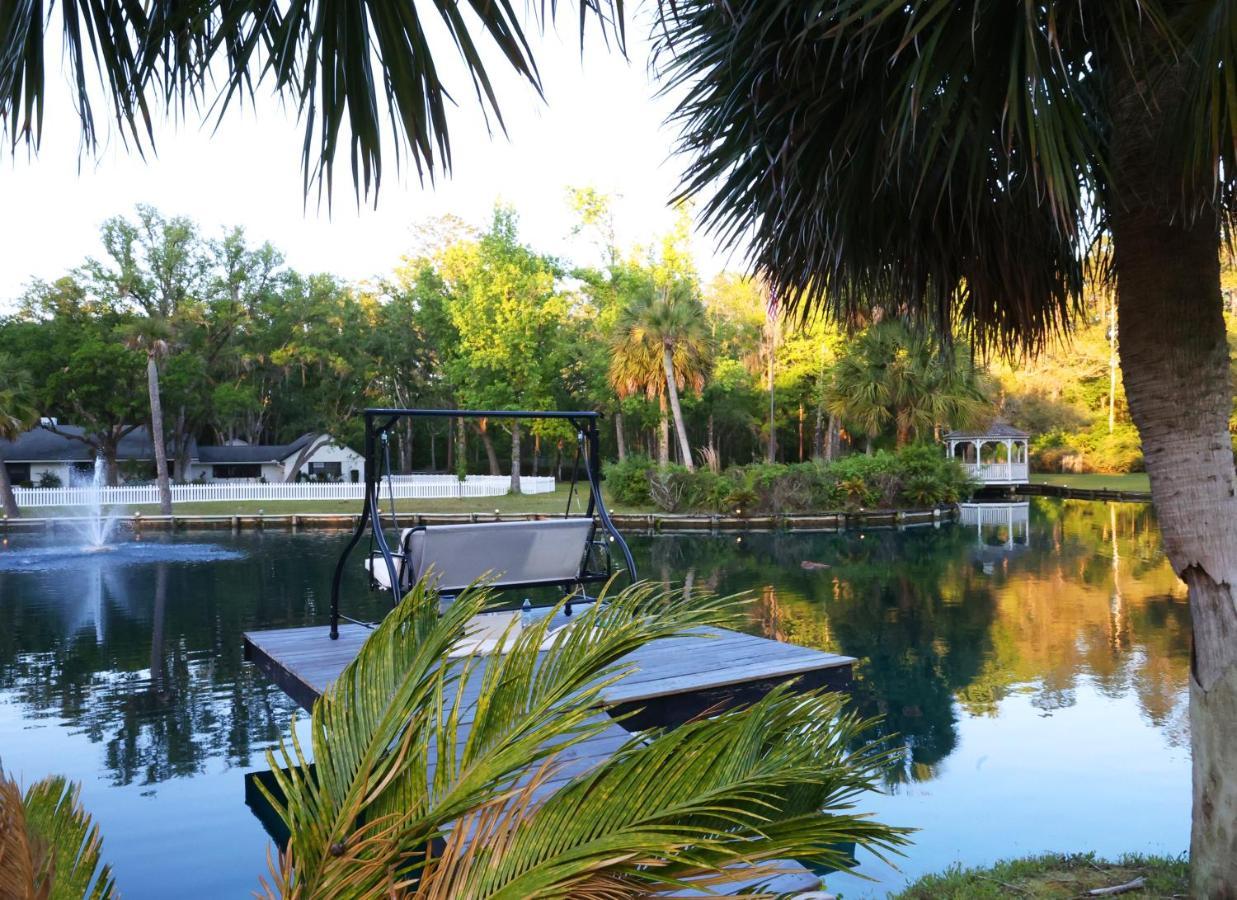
(567, 553)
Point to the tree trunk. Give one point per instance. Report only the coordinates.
(663, 435)
(461, 453)
(515, 456)
(618, 436)
(536, 454)
(156, 435)
(833, 438)
(772, 450)
(483, 429)
(181, 443)
(1175, 361)
(307, 451)
(818, 433)
(7, 499)
(672, 389)
(450, 445)
(405, 447)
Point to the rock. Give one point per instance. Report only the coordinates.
(812, 566)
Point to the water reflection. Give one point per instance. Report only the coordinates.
(1062, 630)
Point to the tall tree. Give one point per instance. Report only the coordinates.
(503, 303)
(1003, 141)
(17, 414)
(150, 337)
(661, 346)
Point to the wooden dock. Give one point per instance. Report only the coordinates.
(672, 680)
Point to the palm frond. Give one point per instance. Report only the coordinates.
(393, 766)
(948, 156)
(49, 846)
(416, 749)
(363, 76)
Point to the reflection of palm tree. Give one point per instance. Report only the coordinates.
(660, 347)
(158, 669)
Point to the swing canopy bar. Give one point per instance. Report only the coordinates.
(563, 552)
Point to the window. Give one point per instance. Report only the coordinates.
(19, 473)
(326, 471)
(237, 470)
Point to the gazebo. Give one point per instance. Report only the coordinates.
(994, 455)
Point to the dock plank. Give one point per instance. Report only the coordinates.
(304, 662)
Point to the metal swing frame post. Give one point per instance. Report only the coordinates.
(378, 423)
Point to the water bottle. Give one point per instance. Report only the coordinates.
(526, 613)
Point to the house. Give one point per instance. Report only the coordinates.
(62, 456)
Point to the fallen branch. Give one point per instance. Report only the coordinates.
(1134, 885)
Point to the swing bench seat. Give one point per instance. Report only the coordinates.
(508, 555)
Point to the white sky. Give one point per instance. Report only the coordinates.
(600, 125)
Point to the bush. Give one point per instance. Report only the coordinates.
(628, 480)
(50, 480)
(915, 477)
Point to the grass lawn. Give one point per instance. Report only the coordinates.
(1134, 481)
(532, 503)
(1055, 877)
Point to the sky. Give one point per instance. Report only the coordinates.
(600, 125)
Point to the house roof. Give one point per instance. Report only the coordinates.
(41, 444)
(996, 430)
(252, 453)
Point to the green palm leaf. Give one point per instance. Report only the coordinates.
(49, 846)
(412, 746)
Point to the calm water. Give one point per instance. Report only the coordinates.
(1036, 678)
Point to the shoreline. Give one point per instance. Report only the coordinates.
(1073, 493)
(646, 523)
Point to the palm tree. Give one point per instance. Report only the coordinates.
(963, 158)
(661, 346)
(750, 786)
(17, 414)
(151, 336)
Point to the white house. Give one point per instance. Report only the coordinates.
(60, 454)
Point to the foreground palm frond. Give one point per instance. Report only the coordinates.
(49, 846)
(411, 746)
(358, 73)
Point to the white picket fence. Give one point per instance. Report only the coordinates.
(407, 487)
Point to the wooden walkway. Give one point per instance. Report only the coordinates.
(672, 680)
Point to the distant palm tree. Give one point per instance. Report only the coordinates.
(17, 415)
(152, 336)
(888, 375)
(661, 346)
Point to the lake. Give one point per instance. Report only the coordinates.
(1033, 668)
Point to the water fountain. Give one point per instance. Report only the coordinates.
(99, 543)
(97, 526)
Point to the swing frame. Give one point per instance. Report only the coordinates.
(380, 421)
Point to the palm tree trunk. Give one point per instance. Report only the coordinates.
(515, 456)
(818, 434)
(833, 438)
(491, 457)
(7, 499)
(663, 434)
(618, 436)
(672, 389)
(1175, 360)
(156, 435)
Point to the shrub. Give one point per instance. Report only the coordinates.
(916, 476)
(49, 480)
(628, 480)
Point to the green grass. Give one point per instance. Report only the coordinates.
(1134, 481)
(532, 503)
(1054, 876)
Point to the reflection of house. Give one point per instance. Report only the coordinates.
(994, 455)
(61, 455)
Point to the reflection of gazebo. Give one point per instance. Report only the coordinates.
(1002, 530)
(994, 455)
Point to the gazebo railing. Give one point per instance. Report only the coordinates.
(989, 472)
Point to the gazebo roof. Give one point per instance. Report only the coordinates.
(997, 430)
